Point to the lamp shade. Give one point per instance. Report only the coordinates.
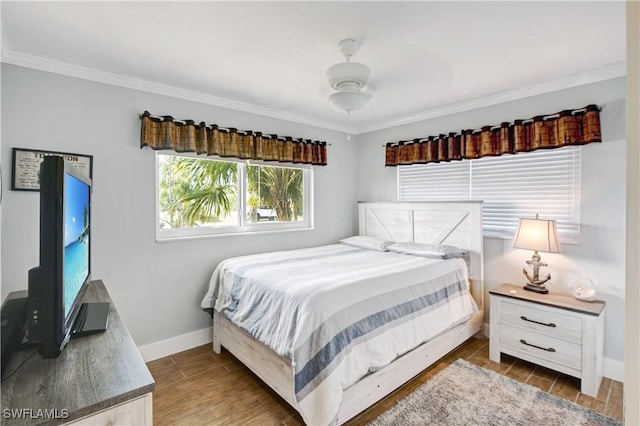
(537, 234)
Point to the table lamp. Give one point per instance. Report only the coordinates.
(537, 235)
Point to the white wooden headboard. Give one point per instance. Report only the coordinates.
(457, 223)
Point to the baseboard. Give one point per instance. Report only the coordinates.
(610, 367)
(613, 369)
(176, 344)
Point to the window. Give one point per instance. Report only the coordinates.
(208, 196)
(546, 182)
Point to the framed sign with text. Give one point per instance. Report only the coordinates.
(25, 174)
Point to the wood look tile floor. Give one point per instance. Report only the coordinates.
(198, 387)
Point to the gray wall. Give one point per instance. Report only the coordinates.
(601, 254)
(156, 286)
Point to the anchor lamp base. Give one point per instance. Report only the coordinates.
(538, 288)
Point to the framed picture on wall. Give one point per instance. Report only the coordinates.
(25, 174)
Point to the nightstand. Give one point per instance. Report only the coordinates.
(552, 330)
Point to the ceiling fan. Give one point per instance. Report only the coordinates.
(349, 80)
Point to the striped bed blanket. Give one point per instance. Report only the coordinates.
(339, 312)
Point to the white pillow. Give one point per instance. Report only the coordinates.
(427, 250)
(365, 242)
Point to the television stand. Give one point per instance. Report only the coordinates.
(100, 379)
(92, 318)
(14, 317)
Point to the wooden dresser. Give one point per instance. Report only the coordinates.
(552, 330)
(99, 379)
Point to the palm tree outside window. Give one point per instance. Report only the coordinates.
(204, 196)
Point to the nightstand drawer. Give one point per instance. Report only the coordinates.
(553, 330)
(541, 320)
(547, 348)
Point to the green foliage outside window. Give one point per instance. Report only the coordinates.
(196, 192)
(203, 192)
(277, 188)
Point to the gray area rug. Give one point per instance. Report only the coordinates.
(465, 394)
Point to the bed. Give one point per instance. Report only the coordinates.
(333, 329)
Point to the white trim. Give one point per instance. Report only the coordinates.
(241, 226)
(611, 368)
(606, 72)
(91, 74)
(176, 344)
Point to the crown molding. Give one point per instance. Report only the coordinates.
(608, 72)
(91, 74)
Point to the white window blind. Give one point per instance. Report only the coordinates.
(546, 182)
(434, 181)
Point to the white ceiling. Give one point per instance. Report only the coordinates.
(426, 58)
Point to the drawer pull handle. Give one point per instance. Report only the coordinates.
(548, 324)
(524, 342)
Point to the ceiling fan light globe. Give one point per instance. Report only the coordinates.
(347, 101)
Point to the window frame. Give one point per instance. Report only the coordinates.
(243, 227)
(572, 231)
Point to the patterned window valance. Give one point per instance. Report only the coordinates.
(568, 127)
(164, 132)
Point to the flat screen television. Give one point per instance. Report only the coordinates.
(57, 286)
